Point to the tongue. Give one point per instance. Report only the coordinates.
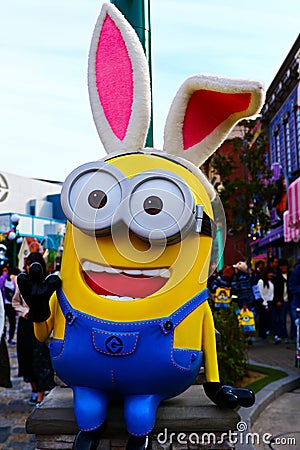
(123, 285)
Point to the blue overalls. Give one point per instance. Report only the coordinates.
(136, 361)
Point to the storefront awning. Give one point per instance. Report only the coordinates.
(291, 233)
(272, 236)
(294, 203)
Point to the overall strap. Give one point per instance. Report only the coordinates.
(171, 322)
(66, 308)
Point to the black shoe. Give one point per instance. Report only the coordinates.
(87, 440)
(137, 443)
(33, 399)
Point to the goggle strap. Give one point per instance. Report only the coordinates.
(204, 224)
(209, 227)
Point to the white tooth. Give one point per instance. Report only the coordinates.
(93, 267)
(120, 299)
(132, 271)
(164, 273)
(109, 269)
(151, 273)
(88, 265)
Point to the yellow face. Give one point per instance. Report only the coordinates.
(121, 277)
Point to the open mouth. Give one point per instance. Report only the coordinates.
(123, 284)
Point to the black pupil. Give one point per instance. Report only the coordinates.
(97, 199)
(153, 205)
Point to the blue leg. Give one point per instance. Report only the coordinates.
(140, 413)
(90, 407)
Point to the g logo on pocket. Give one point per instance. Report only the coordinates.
(114, 345)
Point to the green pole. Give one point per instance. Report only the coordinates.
(220, 248)
(137, 12)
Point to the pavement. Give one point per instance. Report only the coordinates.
(275, 413)
(14, 410)
(274, 420)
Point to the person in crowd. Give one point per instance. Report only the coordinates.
(3, 278)
(4, 358)
(257, 272)
(8, 291)
(33, 356)
(294, 288)
(258, 301)
(220, 287)
(282, 300)
(273, 263)
(241, 285)
(266, 287)
(213, 276)
(223, 279)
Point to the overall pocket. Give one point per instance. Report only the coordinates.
(114, 343)
(186, 359)
(56, 348)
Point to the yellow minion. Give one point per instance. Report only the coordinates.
(131, 318)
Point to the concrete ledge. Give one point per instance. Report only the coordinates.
(270, 392)
(266, 396)
(191, 411)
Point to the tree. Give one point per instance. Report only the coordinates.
(231, 345)
(247, 190)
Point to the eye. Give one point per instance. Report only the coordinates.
(156, 203)
(91, 195)
(97, 199)
(159, 205)
(95, 195)
(153, 205)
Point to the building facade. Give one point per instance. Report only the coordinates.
(281, 119)
(29, 208)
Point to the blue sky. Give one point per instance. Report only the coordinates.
(46, 123)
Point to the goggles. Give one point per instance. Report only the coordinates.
(156, 205)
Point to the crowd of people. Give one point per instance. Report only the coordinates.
(34, 364)
(271, 291)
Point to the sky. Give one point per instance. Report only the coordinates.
(46, 124)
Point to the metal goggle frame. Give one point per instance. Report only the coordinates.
(156, 205)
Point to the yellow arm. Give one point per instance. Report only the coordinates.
(197, 331)
(209, 347)
(42, 330)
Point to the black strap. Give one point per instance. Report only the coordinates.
(209, 227)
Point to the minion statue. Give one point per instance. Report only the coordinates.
(129, 313)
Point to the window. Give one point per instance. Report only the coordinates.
(277, 152)
(287, 143)
(296, 115)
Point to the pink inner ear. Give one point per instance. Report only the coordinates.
(114, 78)
(208, 109)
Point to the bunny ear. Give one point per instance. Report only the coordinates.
(204, 111)
(119, 84)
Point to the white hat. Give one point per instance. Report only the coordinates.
(241, 265)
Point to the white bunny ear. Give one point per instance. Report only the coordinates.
(204, 111)
(119, 84)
